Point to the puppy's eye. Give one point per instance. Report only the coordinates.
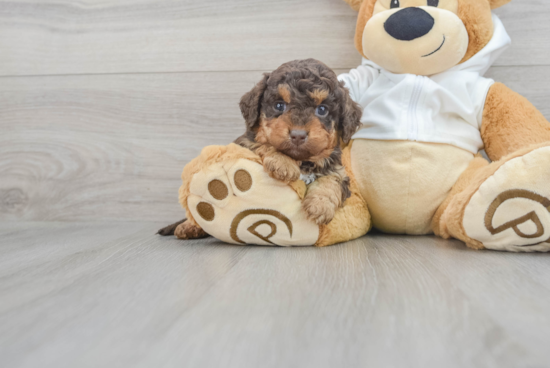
(321, 111)
(279, 106)
(433, 3)
(395, 4)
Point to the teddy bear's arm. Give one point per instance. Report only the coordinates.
(358, 80)
(511, 122)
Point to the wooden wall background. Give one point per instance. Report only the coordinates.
(102, 103)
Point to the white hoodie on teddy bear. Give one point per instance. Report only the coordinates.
(442, 108)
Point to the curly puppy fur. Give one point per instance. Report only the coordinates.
(297, 119)
(304, 97)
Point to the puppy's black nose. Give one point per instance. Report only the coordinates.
(409, 24)
(298, 137)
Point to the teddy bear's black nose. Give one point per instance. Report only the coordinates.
(409, 24)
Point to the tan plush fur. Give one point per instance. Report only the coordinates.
(208, 156)
(451, 224)
(353, 219)
(365, 13)
(475, 14)
(510, 123)
(476, 165)
(498, 3)
(355, 4)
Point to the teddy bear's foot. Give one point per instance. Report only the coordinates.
(510, 210)
(237, 202)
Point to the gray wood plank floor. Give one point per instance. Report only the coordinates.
(114, 295)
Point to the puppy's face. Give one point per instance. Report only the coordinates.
(301, 110)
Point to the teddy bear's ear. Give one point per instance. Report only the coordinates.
(498, 3)
(355, 4)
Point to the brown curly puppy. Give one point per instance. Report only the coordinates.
(297, 118)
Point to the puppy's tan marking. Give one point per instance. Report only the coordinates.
(284, 91)
(274, 131)
(321, 143)
(319, 95)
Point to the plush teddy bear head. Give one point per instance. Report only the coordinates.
(422, 37)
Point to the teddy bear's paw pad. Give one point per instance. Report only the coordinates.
(511, 209)
(239, 203)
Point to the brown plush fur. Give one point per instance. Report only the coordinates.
(287, 101)
(477, 164)
(511, 122)
(354, 4)
(476, 16)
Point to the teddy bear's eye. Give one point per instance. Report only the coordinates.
(433, 3)
(394, 4)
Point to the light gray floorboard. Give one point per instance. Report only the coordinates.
(113, 295)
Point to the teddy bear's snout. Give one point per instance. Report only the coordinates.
(409, 24)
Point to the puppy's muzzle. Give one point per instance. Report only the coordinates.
(409, 24)
(298, 137)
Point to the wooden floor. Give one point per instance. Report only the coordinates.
(115, 295)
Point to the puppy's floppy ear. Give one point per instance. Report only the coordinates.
(350, 115)
(354, 4)
(498, 3)
(251, 102)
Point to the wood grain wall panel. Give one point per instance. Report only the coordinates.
(122, 36)
(94, 147)
(125, 36)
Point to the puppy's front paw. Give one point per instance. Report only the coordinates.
(319, 208)
(282, 168)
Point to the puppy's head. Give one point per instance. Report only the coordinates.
(302, 110)
(422, 37)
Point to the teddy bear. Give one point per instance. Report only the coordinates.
(415, 165)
